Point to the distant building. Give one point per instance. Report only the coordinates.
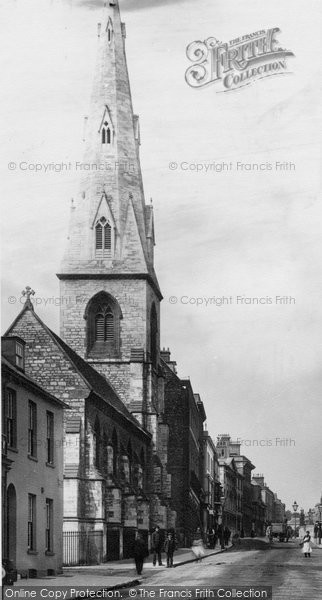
(267, 498)
(232, 485)
(259, 510)
(228, 452)
(244, 467)
(184, 414)
(211, 484)
(32, 432)
(279, 510)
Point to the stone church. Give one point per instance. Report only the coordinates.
(106, 364)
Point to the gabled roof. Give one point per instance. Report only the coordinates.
(95, 382)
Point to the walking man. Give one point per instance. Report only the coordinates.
(320, 533)
(156, 546)
(220, 533)
(169, 548)
(226, 536)
(140, 552)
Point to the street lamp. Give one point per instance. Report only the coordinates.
(295, 507)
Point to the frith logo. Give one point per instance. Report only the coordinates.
(238, 62)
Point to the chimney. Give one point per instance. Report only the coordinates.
(258, 479)
(166, 356)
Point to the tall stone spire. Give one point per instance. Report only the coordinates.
(110, 228)
(110, 309)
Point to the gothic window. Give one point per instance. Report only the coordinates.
(109, 29)
(103, 238)
(97, 444)
(103, 326)
(130, 460)
(105, 451)
(115, 450)
(154, 335)
(106, 133)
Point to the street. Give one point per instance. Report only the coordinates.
(283, 567)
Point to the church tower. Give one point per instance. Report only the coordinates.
(110, 294)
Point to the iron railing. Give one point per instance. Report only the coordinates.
(82, 547)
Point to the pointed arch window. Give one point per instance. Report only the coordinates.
(154, 336)
(103, 326)
(103, 238)
(106, 133)
(97, 444)
(109, 29)
(115, 452)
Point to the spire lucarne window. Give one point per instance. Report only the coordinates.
(106, 133)
(103, 238)
(109, 29)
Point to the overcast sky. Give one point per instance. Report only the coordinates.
(257, 368)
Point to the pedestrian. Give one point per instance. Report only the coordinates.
(320, 533)
(306, 543)
(169, 548)
(220, 533)
(288, 532)
(316, 531)
(215, 536)
(211, 537)
(157, 546)
(226, 535)
(269, 533)
(197, 545)
(140, 552)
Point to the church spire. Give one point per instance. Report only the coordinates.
(111, 226)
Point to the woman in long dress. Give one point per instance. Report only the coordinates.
(197, 545)
(307, 545)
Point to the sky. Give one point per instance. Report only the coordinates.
(231, 233)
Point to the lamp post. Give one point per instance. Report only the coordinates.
(295, 507)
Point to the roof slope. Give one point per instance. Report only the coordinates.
(28, 325)
(96, 382)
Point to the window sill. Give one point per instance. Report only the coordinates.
(34, 458)
(33, 552)
(104, 359)
(51, 465)
(49, 553)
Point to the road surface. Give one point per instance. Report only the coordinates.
(283, 567)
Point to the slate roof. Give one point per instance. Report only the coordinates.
(97, 382)
(94, 380)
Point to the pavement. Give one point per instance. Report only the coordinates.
(111, 575)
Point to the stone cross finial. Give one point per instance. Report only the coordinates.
(28, 292)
